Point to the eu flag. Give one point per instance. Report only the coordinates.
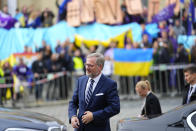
(182, 1)
(191, 17)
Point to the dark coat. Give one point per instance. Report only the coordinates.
(152, 107)
(185, 95)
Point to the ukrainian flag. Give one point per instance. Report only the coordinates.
(134, 62)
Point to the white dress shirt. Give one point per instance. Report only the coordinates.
(96, 80)
(191, 92)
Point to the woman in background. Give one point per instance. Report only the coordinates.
(151, 107)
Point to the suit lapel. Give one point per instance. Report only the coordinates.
(193, 95)
(186, 95)
(83, 88)
(97, 88)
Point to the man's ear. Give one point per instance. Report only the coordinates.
(101, 67)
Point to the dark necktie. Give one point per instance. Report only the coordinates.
(191, 89)
(189, 95)
(90, 91)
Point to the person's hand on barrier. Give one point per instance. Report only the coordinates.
(87, 117)
(75, 122)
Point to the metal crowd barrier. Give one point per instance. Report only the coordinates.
(54, 85)
(166, 80)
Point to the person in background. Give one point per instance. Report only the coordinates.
(78, 63)
(38, 69)
(47, 53)
(178, 29)
(26, 11)
(189, 94)
(5, 10)
(156, 50)
(145, 43)
(20, 17)
(7, 69)
(34, 19)
(95, 96)
(42, 48)
(54, 66)
(47, 18)
(182, 57)
(164, 58)
(193, 53)
(108, 67)
(21, 71)
(109, 50)
(1, 89)
(151, 107)
(66, 63)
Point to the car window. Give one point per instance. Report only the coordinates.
(191, 120)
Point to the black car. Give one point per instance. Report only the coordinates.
(16, 120)
(182, 118)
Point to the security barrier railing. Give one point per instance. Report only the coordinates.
(51, 86)
(165, 80)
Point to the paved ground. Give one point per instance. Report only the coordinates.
(129, 108)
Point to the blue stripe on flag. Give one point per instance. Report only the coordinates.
(134, 55)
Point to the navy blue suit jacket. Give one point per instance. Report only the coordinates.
(185, 95)
(104, 103)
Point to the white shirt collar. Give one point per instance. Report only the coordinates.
(148, 93)
(96, 79)
(194, 87)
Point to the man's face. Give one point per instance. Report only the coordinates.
(92, 69)
(141, 92)
(190, 78)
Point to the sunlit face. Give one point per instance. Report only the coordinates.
(92, 69)
(190, 78)
(141, 92)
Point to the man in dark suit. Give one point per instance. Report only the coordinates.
(151, 107)
(190, 88)
(96, 98)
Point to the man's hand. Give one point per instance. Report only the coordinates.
(87, 117)
(75, 122)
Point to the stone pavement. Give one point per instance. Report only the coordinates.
(129, 108)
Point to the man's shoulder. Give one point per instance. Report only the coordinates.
(83, 77)
(107, 79)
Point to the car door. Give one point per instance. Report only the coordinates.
(191, 121)
(177, 126)
(186, 124)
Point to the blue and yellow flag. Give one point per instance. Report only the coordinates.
(135, 62)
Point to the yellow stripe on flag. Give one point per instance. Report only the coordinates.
(79, 40)
(132, 69)
(120, 39)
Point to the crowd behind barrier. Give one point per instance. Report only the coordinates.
(70, 58)
(166, 80)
